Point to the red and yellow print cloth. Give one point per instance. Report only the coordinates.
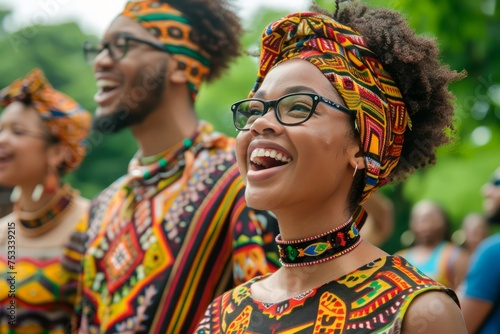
(372, 299)
(45, 280)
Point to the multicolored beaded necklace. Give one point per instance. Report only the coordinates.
(150, 170)
(323, 247)
(49, 216)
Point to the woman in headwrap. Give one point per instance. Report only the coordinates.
(42, 138)
(342, 105)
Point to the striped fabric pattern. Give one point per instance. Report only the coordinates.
(157, 267)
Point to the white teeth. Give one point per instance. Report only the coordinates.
(260, 152)
(103, 83)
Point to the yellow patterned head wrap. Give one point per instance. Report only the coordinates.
(63, 116)
(356, 73)
(175, 32)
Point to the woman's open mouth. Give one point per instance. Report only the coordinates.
(262, 158)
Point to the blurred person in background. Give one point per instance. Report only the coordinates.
(480, 293)
(432, 251)
(474, 229)
(175, 231)
(42, 138)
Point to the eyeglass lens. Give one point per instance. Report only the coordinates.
(292, 109)
(117, 47)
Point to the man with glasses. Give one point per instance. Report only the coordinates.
(175, 231)
(481, 291)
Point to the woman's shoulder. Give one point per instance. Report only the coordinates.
(410, 298)
(433, 312)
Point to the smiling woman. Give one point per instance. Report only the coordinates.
(42, 137)
(349, 106)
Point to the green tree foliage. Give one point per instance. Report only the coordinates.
(3, 14)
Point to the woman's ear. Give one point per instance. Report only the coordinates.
(57, 154)
(357, 157)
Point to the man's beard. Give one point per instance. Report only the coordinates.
(133, 111)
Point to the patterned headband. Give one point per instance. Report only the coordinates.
(175, 32)
(341, 54)
(63, 116)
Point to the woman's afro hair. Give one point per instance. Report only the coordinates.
(413, 62)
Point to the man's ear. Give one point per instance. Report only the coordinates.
(177, 71)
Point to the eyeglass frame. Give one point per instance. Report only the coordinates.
(127, 38)
(46, 136)
(274, 104)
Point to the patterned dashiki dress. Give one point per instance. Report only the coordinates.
(372, 299)
(38, 285)
(158, 254)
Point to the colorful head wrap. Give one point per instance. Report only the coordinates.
(175, 32)
(63, 116)
(356, 73)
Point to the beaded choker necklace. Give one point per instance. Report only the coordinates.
(49, 216)
(162, 166)
(323, 247)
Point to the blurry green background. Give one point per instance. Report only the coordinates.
(469, 37)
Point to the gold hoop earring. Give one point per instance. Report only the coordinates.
(355, 170)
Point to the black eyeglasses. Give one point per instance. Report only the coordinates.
(291, 109)
(117, 46)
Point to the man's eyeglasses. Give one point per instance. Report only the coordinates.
(117, 46)
(291, 109)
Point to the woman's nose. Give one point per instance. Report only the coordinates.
(266, 123)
